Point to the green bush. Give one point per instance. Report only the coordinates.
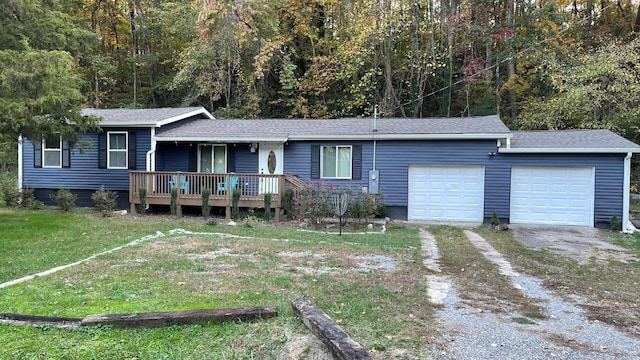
(495, 220)
(29, 200)
(64, 199)
(235, 198)
(206, 208)
(289, 195)
(267, 206)
(173, 206)
(9, 192)
(105, 201)
(143, 200)
(615, 224)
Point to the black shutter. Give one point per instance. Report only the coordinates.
(356, 162)
(193, 158)
(132, 151)
(66, 155)
(315, 161)
(37, 153)
(102, 150)
(231, 158)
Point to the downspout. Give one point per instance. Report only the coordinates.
(20, 165)
(627, 227)
(151, 163)
(375, 129)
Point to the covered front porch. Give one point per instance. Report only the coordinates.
(190, 185)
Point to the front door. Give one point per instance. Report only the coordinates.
(271, 162)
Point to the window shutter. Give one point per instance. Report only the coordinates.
(193, 158)
(315, 161)
(131, 147)
(356, 162)
(102, 150)
(37, 153)
(66, 155)
(231, 158)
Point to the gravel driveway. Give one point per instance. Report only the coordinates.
(469, 332)
(578, 242)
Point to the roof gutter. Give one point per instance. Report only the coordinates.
(567, 150)
(627, 227)
(220, 139)
(378, 136)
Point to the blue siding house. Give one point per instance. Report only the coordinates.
(432, 169)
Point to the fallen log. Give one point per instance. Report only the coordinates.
(35, 319)
(340, 344)
(189, 317)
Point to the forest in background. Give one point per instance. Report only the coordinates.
(539, 64)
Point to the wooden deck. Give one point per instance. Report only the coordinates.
(190, 185)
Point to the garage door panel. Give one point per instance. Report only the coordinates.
(552, 195)
(446, 193)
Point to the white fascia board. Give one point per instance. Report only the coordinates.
(220, 139)
(184, 116)
(374, 136)
(567, 151)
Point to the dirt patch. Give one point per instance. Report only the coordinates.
(577, 242)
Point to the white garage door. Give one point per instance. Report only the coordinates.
(446, 193)
(552, 195)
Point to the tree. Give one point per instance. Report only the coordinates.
(39, 86)
(592, 90)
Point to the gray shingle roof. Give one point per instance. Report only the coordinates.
(299, 129)
(571, 141)
(142, 117)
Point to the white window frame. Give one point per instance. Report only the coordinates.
(45, 150)
(336, 147)
(213, 159)
(125, 150)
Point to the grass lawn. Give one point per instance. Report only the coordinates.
(373, 285)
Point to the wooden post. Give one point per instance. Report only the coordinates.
(342, 347)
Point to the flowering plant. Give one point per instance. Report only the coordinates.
(105, 201)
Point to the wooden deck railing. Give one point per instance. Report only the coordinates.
(252, 188)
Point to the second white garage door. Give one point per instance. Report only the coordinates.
(446, 193)
(552, 195)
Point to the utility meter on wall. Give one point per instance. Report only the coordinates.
(374, 175)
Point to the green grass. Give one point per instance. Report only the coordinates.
(32, 241)
(183, 272)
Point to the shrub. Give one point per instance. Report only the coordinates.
(206, 208)
(143, 200)
(615, 224)
(105, 201)
(495, 220)
(235, 198)
(173, 206)
(29, 200)
(64, 199)
(9, 192)
(267, 206)
(289, 194)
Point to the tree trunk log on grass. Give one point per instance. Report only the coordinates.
(160, 319)
(342, 347)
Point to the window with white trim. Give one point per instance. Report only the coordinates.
(52, 152)
(117, 150)
(335, 162)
